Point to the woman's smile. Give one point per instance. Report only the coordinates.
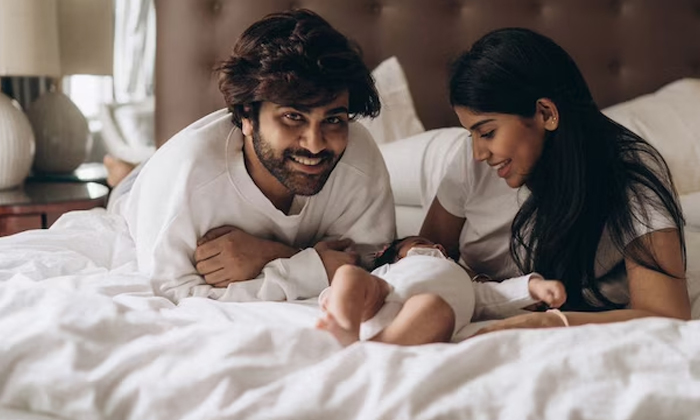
(503, 168)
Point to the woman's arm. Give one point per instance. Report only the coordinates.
(444, 228)
(652, 293)
(655, 292)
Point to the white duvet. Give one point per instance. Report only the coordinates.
(83, 337)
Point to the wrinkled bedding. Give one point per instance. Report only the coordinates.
(83, 337)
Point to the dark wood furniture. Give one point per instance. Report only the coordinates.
(37, 205)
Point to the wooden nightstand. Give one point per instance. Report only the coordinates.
(36, 205)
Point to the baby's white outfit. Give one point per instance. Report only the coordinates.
(427, 270)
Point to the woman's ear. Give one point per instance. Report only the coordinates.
(547, 111)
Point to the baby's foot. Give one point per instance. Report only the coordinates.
(117, 169)
(345, 337)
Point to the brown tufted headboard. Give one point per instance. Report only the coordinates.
(624, 47)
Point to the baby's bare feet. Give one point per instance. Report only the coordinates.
(117, 169)
(345, 337)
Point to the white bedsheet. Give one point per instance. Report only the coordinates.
(83, 337)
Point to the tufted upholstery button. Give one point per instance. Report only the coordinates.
(537, 7)
(614, 66)
(375, 7)
(454, 6)
(616, 6)
(216, 7)
(293, 5)
(695, 66)
(212, 64)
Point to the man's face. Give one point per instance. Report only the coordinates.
(300, 145)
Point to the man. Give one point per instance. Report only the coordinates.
(281, 170)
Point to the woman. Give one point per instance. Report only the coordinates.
(594, 196)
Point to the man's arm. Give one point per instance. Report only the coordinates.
(228, 255)
(166, 237)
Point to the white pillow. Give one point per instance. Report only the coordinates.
(691, 210)
(417, 164)
(398, 118)
(669, 119)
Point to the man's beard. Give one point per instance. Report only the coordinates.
(298, 183)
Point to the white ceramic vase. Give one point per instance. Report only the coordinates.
(16, 144)
(63, 138)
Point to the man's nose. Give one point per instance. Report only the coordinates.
(313, 140)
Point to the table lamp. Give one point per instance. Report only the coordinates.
(86, 44)
(28, 47)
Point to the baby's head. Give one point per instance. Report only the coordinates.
(400, 247)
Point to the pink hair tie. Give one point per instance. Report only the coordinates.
(561, 315)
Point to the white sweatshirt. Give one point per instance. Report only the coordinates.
(198, 181)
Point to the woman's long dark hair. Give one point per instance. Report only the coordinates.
(594, 174)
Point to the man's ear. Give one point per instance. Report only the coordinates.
(247, 127)
(548, 113)
(247, 122)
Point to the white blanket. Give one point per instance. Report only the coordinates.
(83, 337)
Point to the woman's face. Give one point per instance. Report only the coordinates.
(510, 144)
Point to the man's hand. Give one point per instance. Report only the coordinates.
(336, 253)
(227, 254)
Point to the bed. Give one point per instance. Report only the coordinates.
(83, 336)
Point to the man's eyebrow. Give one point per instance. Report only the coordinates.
(298, 107)
(307, 109)
(338, 110)
(480, 123)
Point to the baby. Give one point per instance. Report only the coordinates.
(417, 295)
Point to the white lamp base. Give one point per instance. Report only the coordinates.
(63, 139)
(16, 144)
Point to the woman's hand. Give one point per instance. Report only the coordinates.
(531, 320)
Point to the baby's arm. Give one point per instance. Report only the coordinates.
(496, 300)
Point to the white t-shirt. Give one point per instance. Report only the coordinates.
(473, 190)
(198, 181)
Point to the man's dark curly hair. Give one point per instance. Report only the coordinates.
(295, 57)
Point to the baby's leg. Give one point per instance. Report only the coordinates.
(424, 318)
(355, 296)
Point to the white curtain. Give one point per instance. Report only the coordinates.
(134, 50)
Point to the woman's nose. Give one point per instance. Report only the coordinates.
(479, 150)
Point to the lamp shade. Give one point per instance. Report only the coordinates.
(29, 43)
(86, 29)
(16, 145)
